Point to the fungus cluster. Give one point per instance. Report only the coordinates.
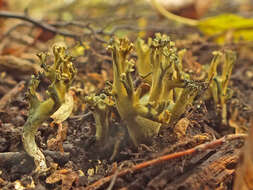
(60, 74)
(162, 96)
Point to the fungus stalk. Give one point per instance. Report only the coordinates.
(60, 74)
(100, 106)
(219, 83)
(186, 98)
(132, 112)
(228, 65)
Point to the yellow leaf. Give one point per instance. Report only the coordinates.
(181, 127)
(239, 27)
(79, 50)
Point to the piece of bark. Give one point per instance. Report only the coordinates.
(214, 172)
(209, 170)
(244, 173)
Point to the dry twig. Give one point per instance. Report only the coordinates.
(45, 26)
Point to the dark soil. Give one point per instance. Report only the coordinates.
(208, 169)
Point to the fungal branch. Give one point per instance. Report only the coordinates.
(166, 74)
(101, 107)
(219, 81)
(60, 74)
(171, 88)
(143, 64)
(127, 99)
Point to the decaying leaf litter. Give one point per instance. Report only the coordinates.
(198, 150)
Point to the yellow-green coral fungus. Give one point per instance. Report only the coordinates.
(127, 99)
(60, 74)
(219, 82)
(100, 106)
(164, 92)
(145, 113)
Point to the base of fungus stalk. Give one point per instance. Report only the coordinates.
(33, 150)
(141, 130)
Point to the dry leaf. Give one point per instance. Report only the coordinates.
(59, 116)
(2, 181)
(65, 110)
(20, 186)
(181, 127)
(56, 143)
(67, 176)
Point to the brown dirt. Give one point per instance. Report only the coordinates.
(208, 169)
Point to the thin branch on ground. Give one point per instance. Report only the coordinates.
(70, 23)
(52, 27)
(161, 159)
(45, 26)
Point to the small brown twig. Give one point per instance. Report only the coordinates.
(70, 23)
(159, 160)
(45, 26)
(13, 92)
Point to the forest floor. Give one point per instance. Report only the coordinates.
(205, 157)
